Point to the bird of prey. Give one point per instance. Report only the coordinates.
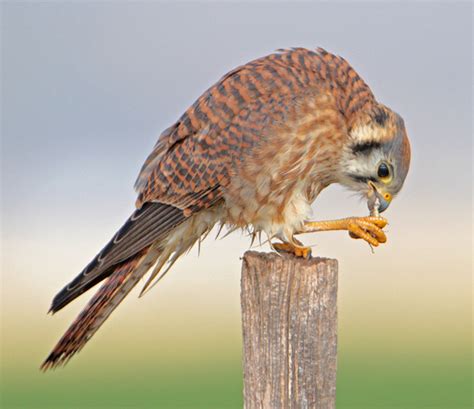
(253, 152)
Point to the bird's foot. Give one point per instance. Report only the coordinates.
(367, 228)
(297, 249)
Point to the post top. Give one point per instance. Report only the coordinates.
(273, 256)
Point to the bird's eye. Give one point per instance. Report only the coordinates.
(384, 171)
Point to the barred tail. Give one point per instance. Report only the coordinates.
(108, 297)
(172, 237)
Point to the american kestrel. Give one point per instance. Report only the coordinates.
(253, 152)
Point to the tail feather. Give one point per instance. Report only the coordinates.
(163, 258)
(179, 242)
(169, 257)
(107, 298)
(177, 238)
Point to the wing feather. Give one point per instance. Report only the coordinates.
(146, 225)
(195, 156)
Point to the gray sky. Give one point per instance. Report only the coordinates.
(87, 88)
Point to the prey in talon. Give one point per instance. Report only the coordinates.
(253, 152)
(373, 203)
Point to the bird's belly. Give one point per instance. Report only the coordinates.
(278, 213)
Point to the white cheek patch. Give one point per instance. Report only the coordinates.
(362, 164)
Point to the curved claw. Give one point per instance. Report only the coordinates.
(368, 229)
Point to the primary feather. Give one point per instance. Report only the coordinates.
(151, 223)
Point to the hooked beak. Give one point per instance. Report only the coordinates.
(382, 199)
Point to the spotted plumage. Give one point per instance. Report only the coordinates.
(253, 152)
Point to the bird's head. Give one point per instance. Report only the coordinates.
(377, 157)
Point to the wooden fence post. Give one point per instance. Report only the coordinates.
(289, 322)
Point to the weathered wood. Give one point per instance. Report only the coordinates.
(289, 322)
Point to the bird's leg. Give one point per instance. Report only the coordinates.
(295, 247)
(367, 228)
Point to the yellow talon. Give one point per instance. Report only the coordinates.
(298, 251)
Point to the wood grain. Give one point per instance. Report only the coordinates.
(289, 322)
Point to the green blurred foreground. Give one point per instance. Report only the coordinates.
(216, 383)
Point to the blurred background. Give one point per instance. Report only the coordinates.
(86, 90)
